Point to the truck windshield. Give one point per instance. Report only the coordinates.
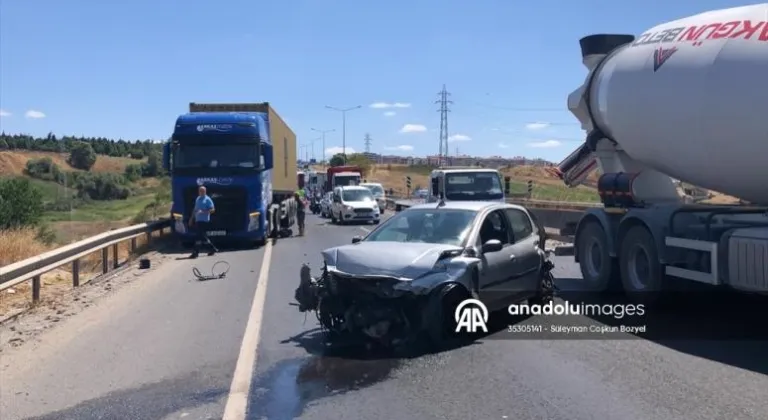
(344, 180)
(473, 186)
(356, 195)
(216, 156)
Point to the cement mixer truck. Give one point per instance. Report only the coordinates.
(685, 100)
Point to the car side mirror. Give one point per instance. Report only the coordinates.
(356, 239)
(493, 245)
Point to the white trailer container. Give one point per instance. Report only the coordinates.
(684, 100)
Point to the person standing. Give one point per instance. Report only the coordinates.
(301, 212)
(200, 220)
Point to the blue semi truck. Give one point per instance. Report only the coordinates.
(245, 156)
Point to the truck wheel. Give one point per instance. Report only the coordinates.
(597, 266)
(642, 275)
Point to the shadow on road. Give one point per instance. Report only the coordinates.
(149, 402)
(717, 325)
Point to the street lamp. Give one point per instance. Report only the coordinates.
(344, 127)
(312, 145)
(322, 132)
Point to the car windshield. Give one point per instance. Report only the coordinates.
(473, 186)
(437, 226)
(356, 195)
(376, 190)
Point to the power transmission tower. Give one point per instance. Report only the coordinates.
(367, 141)
(444, 102)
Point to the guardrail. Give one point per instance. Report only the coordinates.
(533, 203)
(34, 267)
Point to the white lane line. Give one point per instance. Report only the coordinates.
(365, 229)
(237, 401)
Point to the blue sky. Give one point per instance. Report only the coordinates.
(126, 69)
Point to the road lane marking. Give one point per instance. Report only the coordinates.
(365, 229)
(237, 401)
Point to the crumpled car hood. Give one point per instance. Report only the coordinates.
(390, 259)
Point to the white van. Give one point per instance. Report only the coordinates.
(354, 204)
(378, 193)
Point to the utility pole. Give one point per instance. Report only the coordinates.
(313, 146)
(444, 102)
(344, 127)
(367, 140)
(322, 133)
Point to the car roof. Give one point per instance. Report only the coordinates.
(464, 205)
(370, 183)
(352, 187)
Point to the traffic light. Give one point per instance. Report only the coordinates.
(408, 182)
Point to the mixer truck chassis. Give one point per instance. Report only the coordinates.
(642, 251)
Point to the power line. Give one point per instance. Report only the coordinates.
(367, 141)
(444, 102)
(518, 109)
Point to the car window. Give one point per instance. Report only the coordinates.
(494, 227)
(438, 226)
(520, 224)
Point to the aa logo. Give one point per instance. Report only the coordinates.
(470, 315)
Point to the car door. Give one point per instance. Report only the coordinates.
(525, 248)
(497, 268)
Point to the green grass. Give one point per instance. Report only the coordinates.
(97, 211)
(556, 193)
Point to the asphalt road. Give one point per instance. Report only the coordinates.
(167, 347)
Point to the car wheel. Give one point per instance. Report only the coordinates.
(376, 222)
(440, 322)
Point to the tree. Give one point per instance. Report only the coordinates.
(337, 160)
(21, 203)
(82, 156)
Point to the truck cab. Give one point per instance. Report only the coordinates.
(467, 184)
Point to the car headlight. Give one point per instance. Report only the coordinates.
(348, 208)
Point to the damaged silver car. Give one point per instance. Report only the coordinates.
(403, 281)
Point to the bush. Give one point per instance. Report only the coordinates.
(82, 156)
(21, 203)
(102, 186)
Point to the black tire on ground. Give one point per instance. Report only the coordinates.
(441, 325)
(642, 274)
(546, 292)
(598, 269)
(376, 222)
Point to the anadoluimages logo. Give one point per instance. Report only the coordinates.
(470, 315)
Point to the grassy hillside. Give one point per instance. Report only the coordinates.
(546, 186)
(90, 217)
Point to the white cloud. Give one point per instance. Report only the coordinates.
(402, 148)
(390, 113)
(384, 105)
(34, 114)
(4, 113)
(503, 146)
(536, 125)
(459, 137)
(336, 150)
(413, 128)
(544, 144)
